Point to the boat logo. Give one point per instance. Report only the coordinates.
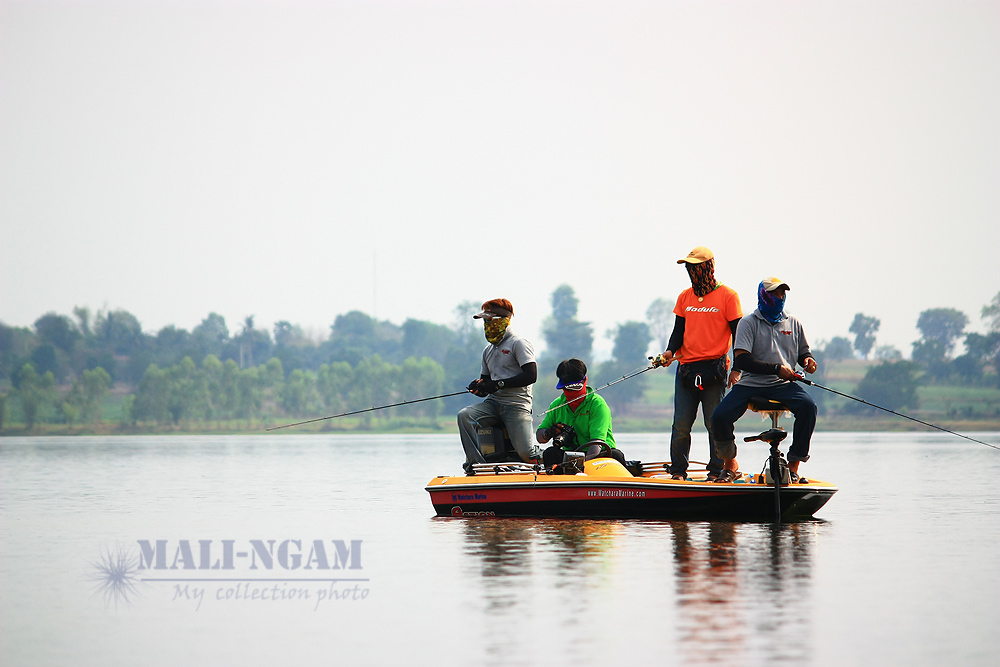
(458, 511)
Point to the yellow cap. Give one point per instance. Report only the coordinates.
(697, 256)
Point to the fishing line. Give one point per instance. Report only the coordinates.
(357, 412)
(621, 379)
(898, 414)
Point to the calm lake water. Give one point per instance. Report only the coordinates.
(902, 566)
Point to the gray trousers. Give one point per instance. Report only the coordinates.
(516, 418)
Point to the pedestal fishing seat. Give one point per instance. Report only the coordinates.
(776, 467)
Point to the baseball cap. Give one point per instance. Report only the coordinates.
(697, 256)
(772, 283)
(571, 371)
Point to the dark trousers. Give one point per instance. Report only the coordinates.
(791, 394)
(687, 398)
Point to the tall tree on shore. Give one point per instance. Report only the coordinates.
(864, 329)
(254, 344)
(631, 340)
(94, 386)
(660, 316)
(35, 391)
(120, 331)
(565, 336)
(991, 313)
(82, 314)
(211, 335)
(57, 330)
(942, 324)
(940, 327)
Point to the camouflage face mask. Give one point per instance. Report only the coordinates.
(495, 329)
(702, 277)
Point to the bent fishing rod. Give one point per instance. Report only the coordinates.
(803, 380)
(358, 412)
(621, 379)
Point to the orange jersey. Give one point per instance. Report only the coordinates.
(706, 323)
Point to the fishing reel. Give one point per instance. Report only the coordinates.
(565, 437)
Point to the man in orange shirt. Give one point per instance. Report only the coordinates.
(704, 327)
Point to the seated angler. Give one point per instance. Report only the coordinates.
(579, 420)
(507, 372)
(768, 345)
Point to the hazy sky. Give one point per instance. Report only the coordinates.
(297, 160)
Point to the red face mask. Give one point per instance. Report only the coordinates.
(574, 397)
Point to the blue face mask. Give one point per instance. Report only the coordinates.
(770, 306)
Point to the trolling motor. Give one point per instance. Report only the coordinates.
(776, 468)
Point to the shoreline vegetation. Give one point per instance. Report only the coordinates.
(446, 427)
(961, 409)
(102, 374)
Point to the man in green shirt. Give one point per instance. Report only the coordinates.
(579, 420)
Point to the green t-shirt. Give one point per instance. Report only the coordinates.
(591, 420)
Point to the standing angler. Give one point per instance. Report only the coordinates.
(706, 317)
(508, 371)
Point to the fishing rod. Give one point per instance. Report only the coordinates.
(621, 379)
(803, 380)
(357, 412)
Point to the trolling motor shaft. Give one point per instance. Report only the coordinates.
(777, 466)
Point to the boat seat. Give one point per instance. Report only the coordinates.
(495, 444)
(773, 409)
(768, 407)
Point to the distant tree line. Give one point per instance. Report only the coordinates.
(893, 382)
(63, 368)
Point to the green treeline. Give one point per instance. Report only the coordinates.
(893, 382)
(65, 369)
(68, 370)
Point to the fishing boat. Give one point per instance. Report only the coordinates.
(607, 488)
(604, 488)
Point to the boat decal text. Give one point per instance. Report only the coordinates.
(615, 493)
(456, 497)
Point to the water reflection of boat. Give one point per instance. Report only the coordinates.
(606, 489)
(743, 588)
